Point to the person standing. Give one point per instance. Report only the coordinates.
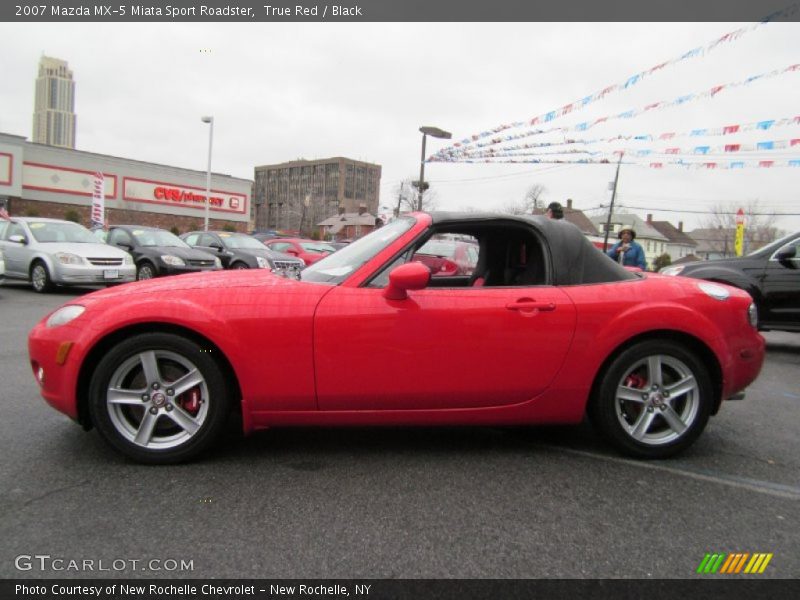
(554, 211)
(626, 251)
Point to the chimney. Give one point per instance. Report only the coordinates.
(680, 225)
(569, 203)
(362, 208)
(649, 218)
(341, 209)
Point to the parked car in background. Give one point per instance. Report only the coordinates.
(309, 250)
(241, 251)
(2, 266)
(448, 258)
(159, 252)
(771, 275)
(557, 331)
(49, 252)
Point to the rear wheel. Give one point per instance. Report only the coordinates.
(654, 399)
(159, 398)
(40, 278)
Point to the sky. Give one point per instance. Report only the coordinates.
(281, 92)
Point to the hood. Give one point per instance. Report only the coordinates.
(207, 280)
(86, 250)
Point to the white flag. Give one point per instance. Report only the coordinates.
(99, 200)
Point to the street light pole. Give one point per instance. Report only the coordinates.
(426, 131)
(210, 121)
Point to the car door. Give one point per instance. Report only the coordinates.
(442, 348)
(18, 256)
(211, 243)
(781, 289)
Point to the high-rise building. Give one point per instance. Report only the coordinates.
(54, 104)
(299, 194)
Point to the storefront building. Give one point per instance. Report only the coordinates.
(45, 181)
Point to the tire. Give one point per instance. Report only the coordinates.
(40, 278)
(138, 409)
(653, 400)
(146, 270)
(239, 265)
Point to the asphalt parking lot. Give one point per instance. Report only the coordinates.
(396, 503)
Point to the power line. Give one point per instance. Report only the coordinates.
(704, 212)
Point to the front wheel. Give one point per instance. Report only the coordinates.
(40, 278)
(159, 398)
(654, 399)
(145, 271)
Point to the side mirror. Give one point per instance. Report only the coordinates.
(410, 276)
(786, 254)
(217, 247)
(125, 246)
(18, 239)
(291, 251)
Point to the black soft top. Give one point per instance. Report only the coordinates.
(575, 260)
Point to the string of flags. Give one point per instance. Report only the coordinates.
(762, 125)
(764, 146)
(628, 82)
(706, 165)
(456, 154)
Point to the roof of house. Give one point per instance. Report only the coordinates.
(338, 222)
(673, 234)
(642, 229)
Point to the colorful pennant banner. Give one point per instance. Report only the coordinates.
(455, 154)
(628, 82)
(762, 164)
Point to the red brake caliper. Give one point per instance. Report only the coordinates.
(190, 401)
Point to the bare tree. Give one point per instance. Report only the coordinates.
(407, 197)
(759, 227)
(530, 203)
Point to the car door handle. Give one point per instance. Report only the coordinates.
(529, 304)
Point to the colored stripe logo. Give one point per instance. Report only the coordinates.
(734, 563)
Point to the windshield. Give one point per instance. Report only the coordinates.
(239, 240)
(157, 237)
(772, 247)
(317, 247)
(54, 231)
(336, 267)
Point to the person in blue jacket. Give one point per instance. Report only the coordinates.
(627, 252)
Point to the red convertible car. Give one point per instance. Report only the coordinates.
(554, 331)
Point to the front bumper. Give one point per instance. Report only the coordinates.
(92, 274)
(165, 269)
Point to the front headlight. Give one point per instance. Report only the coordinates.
(676, 270)
(175, 261)
(217, 263)
(65, 258)
(65, 314)
(262, 262)
(752, 315)
(128, 260)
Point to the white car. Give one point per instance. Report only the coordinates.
(50, 252)
(2, 266)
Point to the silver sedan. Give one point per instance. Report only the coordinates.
(50, 252)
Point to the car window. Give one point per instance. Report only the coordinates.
(316, 247)
(15, 229)
(795, 243)
(207, 240)
(280, 246)
(119, 236)
(158, 237)
(3, 227)
(240, 240)
(192, 238)
(60, 231)
(480, 256)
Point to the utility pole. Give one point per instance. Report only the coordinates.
(611, 206)
(399, 198)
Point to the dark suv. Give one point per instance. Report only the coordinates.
(241, 251)
(770, 275)
(158, 252)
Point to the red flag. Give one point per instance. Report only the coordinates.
(732, 147)
(730, 129)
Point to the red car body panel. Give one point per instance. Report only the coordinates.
(313, 353)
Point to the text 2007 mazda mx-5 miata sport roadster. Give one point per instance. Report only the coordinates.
(545, 329)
